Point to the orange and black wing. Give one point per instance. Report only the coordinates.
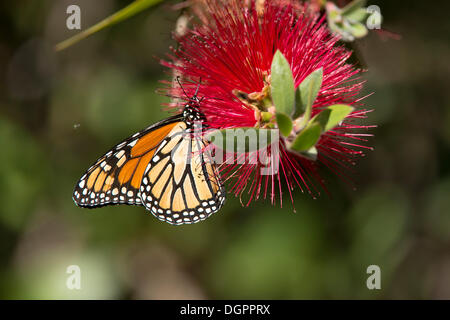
(116, 177)
(181, 184)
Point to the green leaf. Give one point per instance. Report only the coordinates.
(123, 14)
(282, 84)
(284, 124)
(300, 108)
(307, 138)
(358, 15)
(322, 118)
(242, 140)
(332, 116)
(358, 30)
(306, 95)
(326, 120)
(337, 28)
(338, 113)
(353, 6)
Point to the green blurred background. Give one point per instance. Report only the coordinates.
(60, 111)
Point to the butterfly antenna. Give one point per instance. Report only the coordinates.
(198, 87)
(178, 80)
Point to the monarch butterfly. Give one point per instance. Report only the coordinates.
(162, 167)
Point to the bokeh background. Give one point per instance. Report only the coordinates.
(60, 111)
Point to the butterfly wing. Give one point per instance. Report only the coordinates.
(181, 184)
(116, 177)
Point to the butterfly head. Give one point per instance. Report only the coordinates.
(192, 113)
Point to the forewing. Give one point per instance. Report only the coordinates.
(116, 177)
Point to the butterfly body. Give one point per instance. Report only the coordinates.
(162, 168)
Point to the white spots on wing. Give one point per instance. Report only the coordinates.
(162, 144)
(131, 144)
(130, 193)
(155, 158)
(120, 154)
(82, 183)
(148, 168)
(124, 190)
(115, 192)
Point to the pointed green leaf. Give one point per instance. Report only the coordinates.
(338, 113)
(241, 140)
(353, 6)
(345, 35)
(332, 116)
(358, 30)
(322, 118)
(282, 84)
(307, 138)
(307, 94)
(123, 14)
(358, 15)
(284, 123)
(300, 108)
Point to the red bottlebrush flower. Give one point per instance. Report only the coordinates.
(231, 53)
